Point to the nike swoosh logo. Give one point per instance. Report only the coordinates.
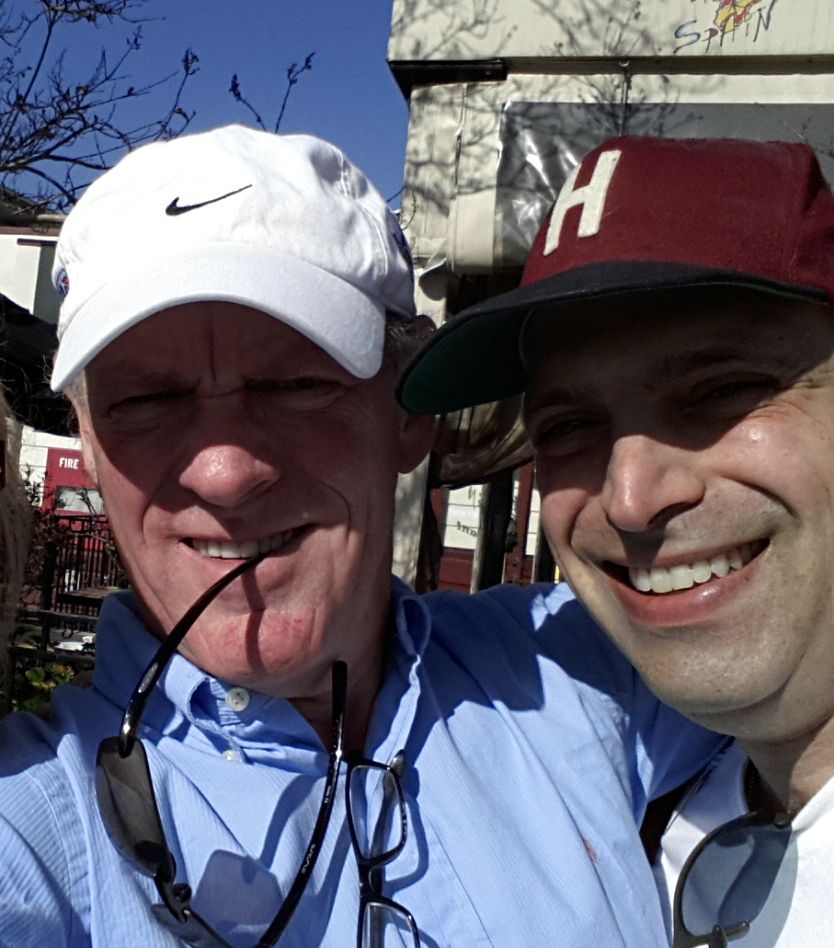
(175, 207)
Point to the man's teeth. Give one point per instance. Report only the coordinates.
(687, 575)
(242, 551)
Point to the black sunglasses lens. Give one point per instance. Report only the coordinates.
(731, 878)
(128, 809)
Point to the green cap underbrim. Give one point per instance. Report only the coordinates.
(474, 357)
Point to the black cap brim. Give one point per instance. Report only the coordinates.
(474, 357)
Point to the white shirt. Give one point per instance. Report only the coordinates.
(799, 911)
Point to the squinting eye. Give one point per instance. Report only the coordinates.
(146, 401)
(738, 388)
(565, 436)
(302, 392)
(576, 424)
(301, 383)
(561, 429)
(279, 385)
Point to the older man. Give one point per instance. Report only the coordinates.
(236, 304)
(675, 336)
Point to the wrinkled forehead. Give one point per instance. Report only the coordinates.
(216, 337)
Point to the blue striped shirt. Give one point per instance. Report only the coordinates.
(532, 747)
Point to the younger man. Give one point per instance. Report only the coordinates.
(674, 334)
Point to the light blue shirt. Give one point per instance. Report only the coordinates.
(532, 747)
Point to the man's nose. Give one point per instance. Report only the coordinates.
(228, 474)
(647, 482)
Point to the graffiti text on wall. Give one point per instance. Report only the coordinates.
(726, 22)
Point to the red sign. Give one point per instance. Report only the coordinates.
(67, 488)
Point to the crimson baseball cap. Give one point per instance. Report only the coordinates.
(638, 214)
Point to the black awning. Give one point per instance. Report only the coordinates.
(26, 347)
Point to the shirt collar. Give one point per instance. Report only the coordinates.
(125, 647)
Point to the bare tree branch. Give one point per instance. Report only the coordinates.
(57, 130)
(238, 96)
(294, 72)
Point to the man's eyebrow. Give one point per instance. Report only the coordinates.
(126, 374)
(672, 367)
(551, 395)
(675, 365)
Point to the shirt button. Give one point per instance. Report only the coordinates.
(237, 699)
(231, 755)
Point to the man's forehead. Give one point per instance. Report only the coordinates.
(217, 333)
(673, 334)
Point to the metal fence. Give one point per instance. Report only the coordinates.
(80, 564)
(73, 565)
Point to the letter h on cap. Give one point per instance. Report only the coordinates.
(591, 196)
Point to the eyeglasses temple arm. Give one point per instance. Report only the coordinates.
(136, 704)
(281, 920)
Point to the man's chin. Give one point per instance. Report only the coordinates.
(255, 649)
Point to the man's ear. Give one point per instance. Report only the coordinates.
(416, 439)
(85, 433)
(89, 459)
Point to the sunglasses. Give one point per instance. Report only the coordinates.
(727, 879)
(377, 817)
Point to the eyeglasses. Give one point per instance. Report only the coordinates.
(129, 811)
(378, 824)
(727, 879)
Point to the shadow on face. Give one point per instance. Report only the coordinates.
(675, 432)
(215, 432)
(649, 362)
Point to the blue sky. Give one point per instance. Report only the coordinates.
(349, 97)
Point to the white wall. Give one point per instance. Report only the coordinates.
(25, 268)
(33, 449)
(462, 518)
(455, 30)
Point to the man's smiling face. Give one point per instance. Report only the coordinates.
(215, 432)
(685, 453)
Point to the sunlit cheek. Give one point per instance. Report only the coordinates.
(771, 452)
(560, 509)
(756, 435)
(755, 444)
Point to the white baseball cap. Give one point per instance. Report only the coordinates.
(284, 224)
